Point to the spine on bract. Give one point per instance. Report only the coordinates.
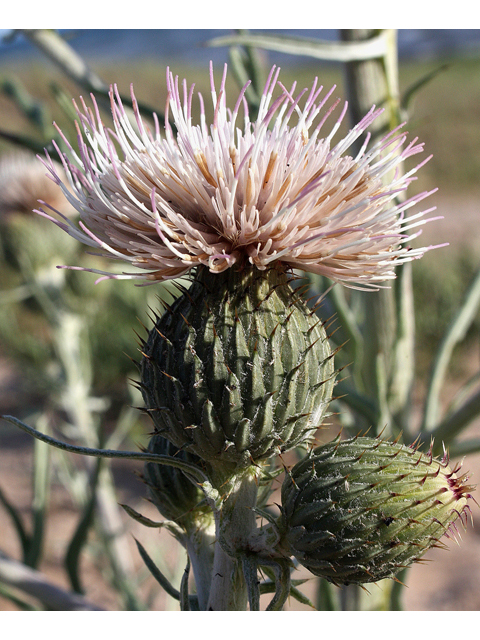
(359, 510)
(238, 369)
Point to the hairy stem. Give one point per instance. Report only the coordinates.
(200, 548)
(235, 525)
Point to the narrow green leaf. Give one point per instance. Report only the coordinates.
(17, 523)
(396, 594)
(79, 538)
(64, 100)
(170, 525)
(454, 334)
(454, 423)
(413, 89)
(270, 587)
(156, 573)
(247, 66)
(163, 581)
(250, 573)
(280, 570)
(357, 402)
(141, 519)
(324, 50)
(186, 467)
(34, 110)
(325, 599)
(27, 142)
(41, 486)
(184, 599)
(464, 448)
(300, 597)
(464, 392)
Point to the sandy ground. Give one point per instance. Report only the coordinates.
(447, 581)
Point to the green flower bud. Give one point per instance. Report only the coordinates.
(360, 510)
(238, 369)
(175, 496)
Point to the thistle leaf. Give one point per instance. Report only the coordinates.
(297, 45)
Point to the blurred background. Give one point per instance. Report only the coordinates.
(51, 320)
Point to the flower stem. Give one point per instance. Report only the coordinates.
(228, 591)
(235, 525)
(200, 549)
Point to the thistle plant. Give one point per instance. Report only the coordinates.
(240, 368)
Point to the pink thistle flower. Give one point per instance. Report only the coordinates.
(23, 183)
(222, 195)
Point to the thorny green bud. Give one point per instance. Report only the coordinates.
(359, 510)
(238, 369)
(176, 497)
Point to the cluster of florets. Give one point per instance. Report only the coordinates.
(271, 191)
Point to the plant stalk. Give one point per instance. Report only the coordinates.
(235, 525)
(200, 546)
(387, 372)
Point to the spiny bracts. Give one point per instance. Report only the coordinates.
(176, 497)
(238, 369)
(359, 510)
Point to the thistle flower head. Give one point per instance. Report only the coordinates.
(237, 191)
(359, 510)
(23, 183)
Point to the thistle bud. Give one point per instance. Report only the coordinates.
(238, 369)
(360, 510)
(175, 496)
